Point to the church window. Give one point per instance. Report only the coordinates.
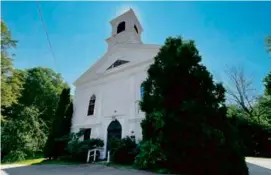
(91, 105)
(135, 28)
(117, 63)
(121, 27)
(141, 91)
(87, 134)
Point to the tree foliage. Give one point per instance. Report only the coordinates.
(60, 127)
(251, 115)
(42, 88)
(267, 84)
(253, 107)
(254, 135)
(11, 83)
(264, 102)
(123, 151)
(22, 135)
(77, 149)
(186, 115)
(28, 103)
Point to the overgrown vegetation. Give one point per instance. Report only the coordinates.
(186, 122)
(250, 112)
(76, 149)
(150, 156)
(123, 151)
(252, 118)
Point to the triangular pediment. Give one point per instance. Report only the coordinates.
(122, 54)
(117, 63)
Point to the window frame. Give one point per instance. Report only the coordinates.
(91, 105)
(141, 91)
(87, 134)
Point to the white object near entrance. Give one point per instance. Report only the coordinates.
(94, 154)
(108, 156)
(94, 158)
(88, 156)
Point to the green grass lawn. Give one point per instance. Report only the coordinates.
(42, 161)
(57, 162)
(26, 162)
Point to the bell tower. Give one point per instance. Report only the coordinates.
(125, 29)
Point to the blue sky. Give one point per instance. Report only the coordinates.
(226, 33)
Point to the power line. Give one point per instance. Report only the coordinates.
(45, 30)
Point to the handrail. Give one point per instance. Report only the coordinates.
(94, 155)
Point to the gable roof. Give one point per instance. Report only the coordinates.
(102, 64)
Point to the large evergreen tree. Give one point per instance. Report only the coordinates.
(60, 127)
(186, 115)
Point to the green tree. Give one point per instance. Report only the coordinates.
(11, 83)
(22, 135)
(186, 115)
(67, 121)
(42, 88)
(60, 127)
(264, 102)
(267, 84)
(29, 100)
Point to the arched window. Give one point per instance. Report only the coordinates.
(91, 105)
(141, 91)
(135, 28)
(121, 27)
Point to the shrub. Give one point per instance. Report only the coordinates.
(21, 134)
(150, 156)
(77, 149)
(254, 137)
(123, 151)
(14, 156)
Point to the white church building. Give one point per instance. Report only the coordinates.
(107, 94)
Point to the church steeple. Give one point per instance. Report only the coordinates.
(125, 29)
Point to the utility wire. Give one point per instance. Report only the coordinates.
(45, 30)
